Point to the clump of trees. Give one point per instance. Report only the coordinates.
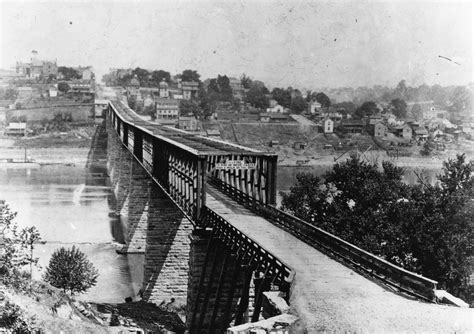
(70, 270)
(423, 227)
(18, 247)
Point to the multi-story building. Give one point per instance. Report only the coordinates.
(167, 110)
(37, 68)
(190, 89)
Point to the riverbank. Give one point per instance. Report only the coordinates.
(65, 148)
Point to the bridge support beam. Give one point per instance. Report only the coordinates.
(215, 286)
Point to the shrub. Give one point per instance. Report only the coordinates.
(70, 270)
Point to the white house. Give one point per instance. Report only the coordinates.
(314, 107)
(277, 108)
(328, 125)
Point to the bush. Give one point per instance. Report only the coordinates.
(70, 270)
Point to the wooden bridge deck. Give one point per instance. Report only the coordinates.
(328, 296)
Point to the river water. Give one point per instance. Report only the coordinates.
(70, 206)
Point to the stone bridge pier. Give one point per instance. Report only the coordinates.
(150, 224)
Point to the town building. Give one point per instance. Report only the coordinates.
(378, 129)
(16, 129)
(403, 131)
(167, 110)
(213, 133)
(133, 88)
(328, 125)
(37, 68)
(190, 89)
(188, 123)
(237, 88)
(163, 89)
(275, 107)
(314, 108)
(272, 117)
(352, 126)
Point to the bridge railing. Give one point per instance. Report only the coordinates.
(260, 259)
(251, 174)
(178, 171)
(393, 275)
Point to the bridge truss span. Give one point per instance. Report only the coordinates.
(181, 162)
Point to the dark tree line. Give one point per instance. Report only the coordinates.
(425, 228)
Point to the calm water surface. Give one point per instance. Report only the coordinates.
(70, 206)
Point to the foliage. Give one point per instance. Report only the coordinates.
(245, 81)
(64, 87)
(189, 107)
(424, 228)
(18, 244)
(9, 93)
(14, 319)
(158, 76)
(190, 75)
(69, 73)
(282, 96)
(298, 105)
(257, 95)
(219, 89)
(367, 108)
(428, 147)
(323, 99)
(345, 108)
(399, 107)
(70, 270)
(28, 237)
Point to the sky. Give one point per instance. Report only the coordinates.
(303, 44)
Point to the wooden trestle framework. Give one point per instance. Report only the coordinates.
(181, 164)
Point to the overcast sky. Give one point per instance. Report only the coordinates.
(302, 44)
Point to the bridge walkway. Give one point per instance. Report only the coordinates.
(330, 297)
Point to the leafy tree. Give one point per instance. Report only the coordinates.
(64, 87)
(190, 75)
(298, 105)
(245, 81)
(189, 107)
(8, 93)
(70, 270)
(399, 107)
(69, 73)
(428, 147)
(401, 91)
(345, 108)
(18, 244)
(29, 237)
(158, 76)
(367, 108)
(424, 228)
(282, 96)
(323, 99)
(257, 96)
